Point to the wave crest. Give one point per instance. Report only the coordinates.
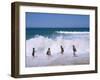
(41, 44)
(71, 32)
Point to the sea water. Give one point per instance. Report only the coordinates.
(43, 38)
(51, 32)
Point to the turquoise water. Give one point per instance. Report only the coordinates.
(51, 32)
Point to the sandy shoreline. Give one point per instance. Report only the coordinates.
(60, 60)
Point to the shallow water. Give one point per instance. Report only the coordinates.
(42, 43)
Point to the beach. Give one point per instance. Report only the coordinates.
(42, 43)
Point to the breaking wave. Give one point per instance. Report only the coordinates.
(41, 43)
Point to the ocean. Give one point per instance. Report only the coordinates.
(52, 32)
(43, 38)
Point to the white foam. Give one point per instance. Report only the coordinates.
(41, 44)
(71, 32)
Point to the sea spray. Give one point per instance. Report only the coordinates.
(41, 44)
